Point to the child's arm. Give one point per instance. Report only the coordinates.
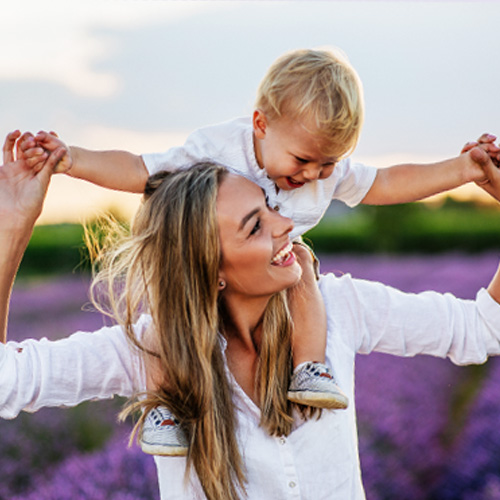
(308, 313)
(410, 182)
(119, 170)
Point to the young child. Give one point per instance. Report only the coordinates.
(296, 146)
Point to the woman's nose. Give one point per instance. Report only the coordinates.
(282, 225)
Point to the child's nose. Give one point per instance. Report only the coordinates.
(311, 173)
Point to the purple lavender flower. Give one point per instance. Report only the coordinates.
(473, 468)
(114, 473)
(427, 428)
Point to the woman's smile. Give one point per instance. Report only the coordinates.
(285, 257)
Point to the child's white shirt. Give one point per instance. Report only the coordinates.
(231, 144)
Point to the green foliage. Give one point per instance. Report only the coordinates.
(410, 228)
(55, 249)
(62, 248)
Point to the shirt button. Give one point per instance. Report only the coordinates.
(282, 440)
(292, 484)
(277, 208)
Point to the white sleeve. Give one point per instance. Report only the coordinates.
(39, 373)
(354, 180)
(198, 147)
(374, 317)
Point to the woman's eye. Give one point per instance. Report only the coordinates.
(256, 227)
(267, 201)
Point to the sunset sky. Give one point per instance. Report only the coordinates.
(140, 75)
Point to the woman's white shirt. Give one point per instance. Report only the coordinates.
(319, 459)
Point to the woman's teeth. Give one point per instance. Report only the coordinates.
(282, 255)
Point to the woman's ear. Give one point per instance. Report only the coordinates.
(259, 122)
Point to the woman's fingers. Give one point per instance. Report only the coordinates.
(8, 146)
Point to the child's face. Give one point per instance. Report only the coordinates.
(290, 154)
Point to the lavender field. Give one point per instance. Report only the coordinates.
(428, 429)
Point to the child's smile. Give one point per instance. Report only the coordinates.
(294, 184)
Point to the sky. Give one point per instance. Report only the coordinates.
(141, 74)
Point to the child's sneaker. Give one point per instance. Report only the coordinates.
(313, 384)
(162, 434)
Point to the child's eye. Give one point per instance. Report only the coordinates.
(301, 160)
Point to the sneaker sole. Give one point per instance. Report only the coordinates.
(319, 400)
(164, 451)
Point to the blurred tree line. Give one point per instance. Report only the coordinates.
(409, 228)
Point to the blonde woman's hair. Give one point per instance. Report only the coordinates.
(321, 87)
(168, 268)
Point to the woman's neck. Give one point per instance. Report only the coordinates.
(244, 318)
(243, 332)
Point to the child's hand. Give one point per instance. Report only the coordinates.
(35, 150)
(27, 150)
(50, 142)
(305, 258)
(487, 143)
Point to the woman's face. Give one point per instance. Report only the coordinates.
(257, 258)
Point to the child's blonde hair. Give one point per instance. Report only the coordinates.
(318, 85)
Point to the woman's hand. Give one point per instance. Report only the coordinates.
(22, 190)
(491, 184)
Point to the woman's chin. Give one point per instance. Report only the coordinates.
(295, 275)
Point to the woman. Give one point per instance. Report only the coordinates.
(207, 263)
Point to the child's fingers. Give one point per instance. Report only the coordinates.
(43, 133)
(48, 140)
(306, 261)
(33, 152)
(42, 137)
(36, 163)
(469, 146)
(302, 253)
(26, 141)
(34, 158)
(485, 138)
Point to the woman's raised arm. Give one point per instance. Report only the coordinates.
(492, 187)
(22, 193)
